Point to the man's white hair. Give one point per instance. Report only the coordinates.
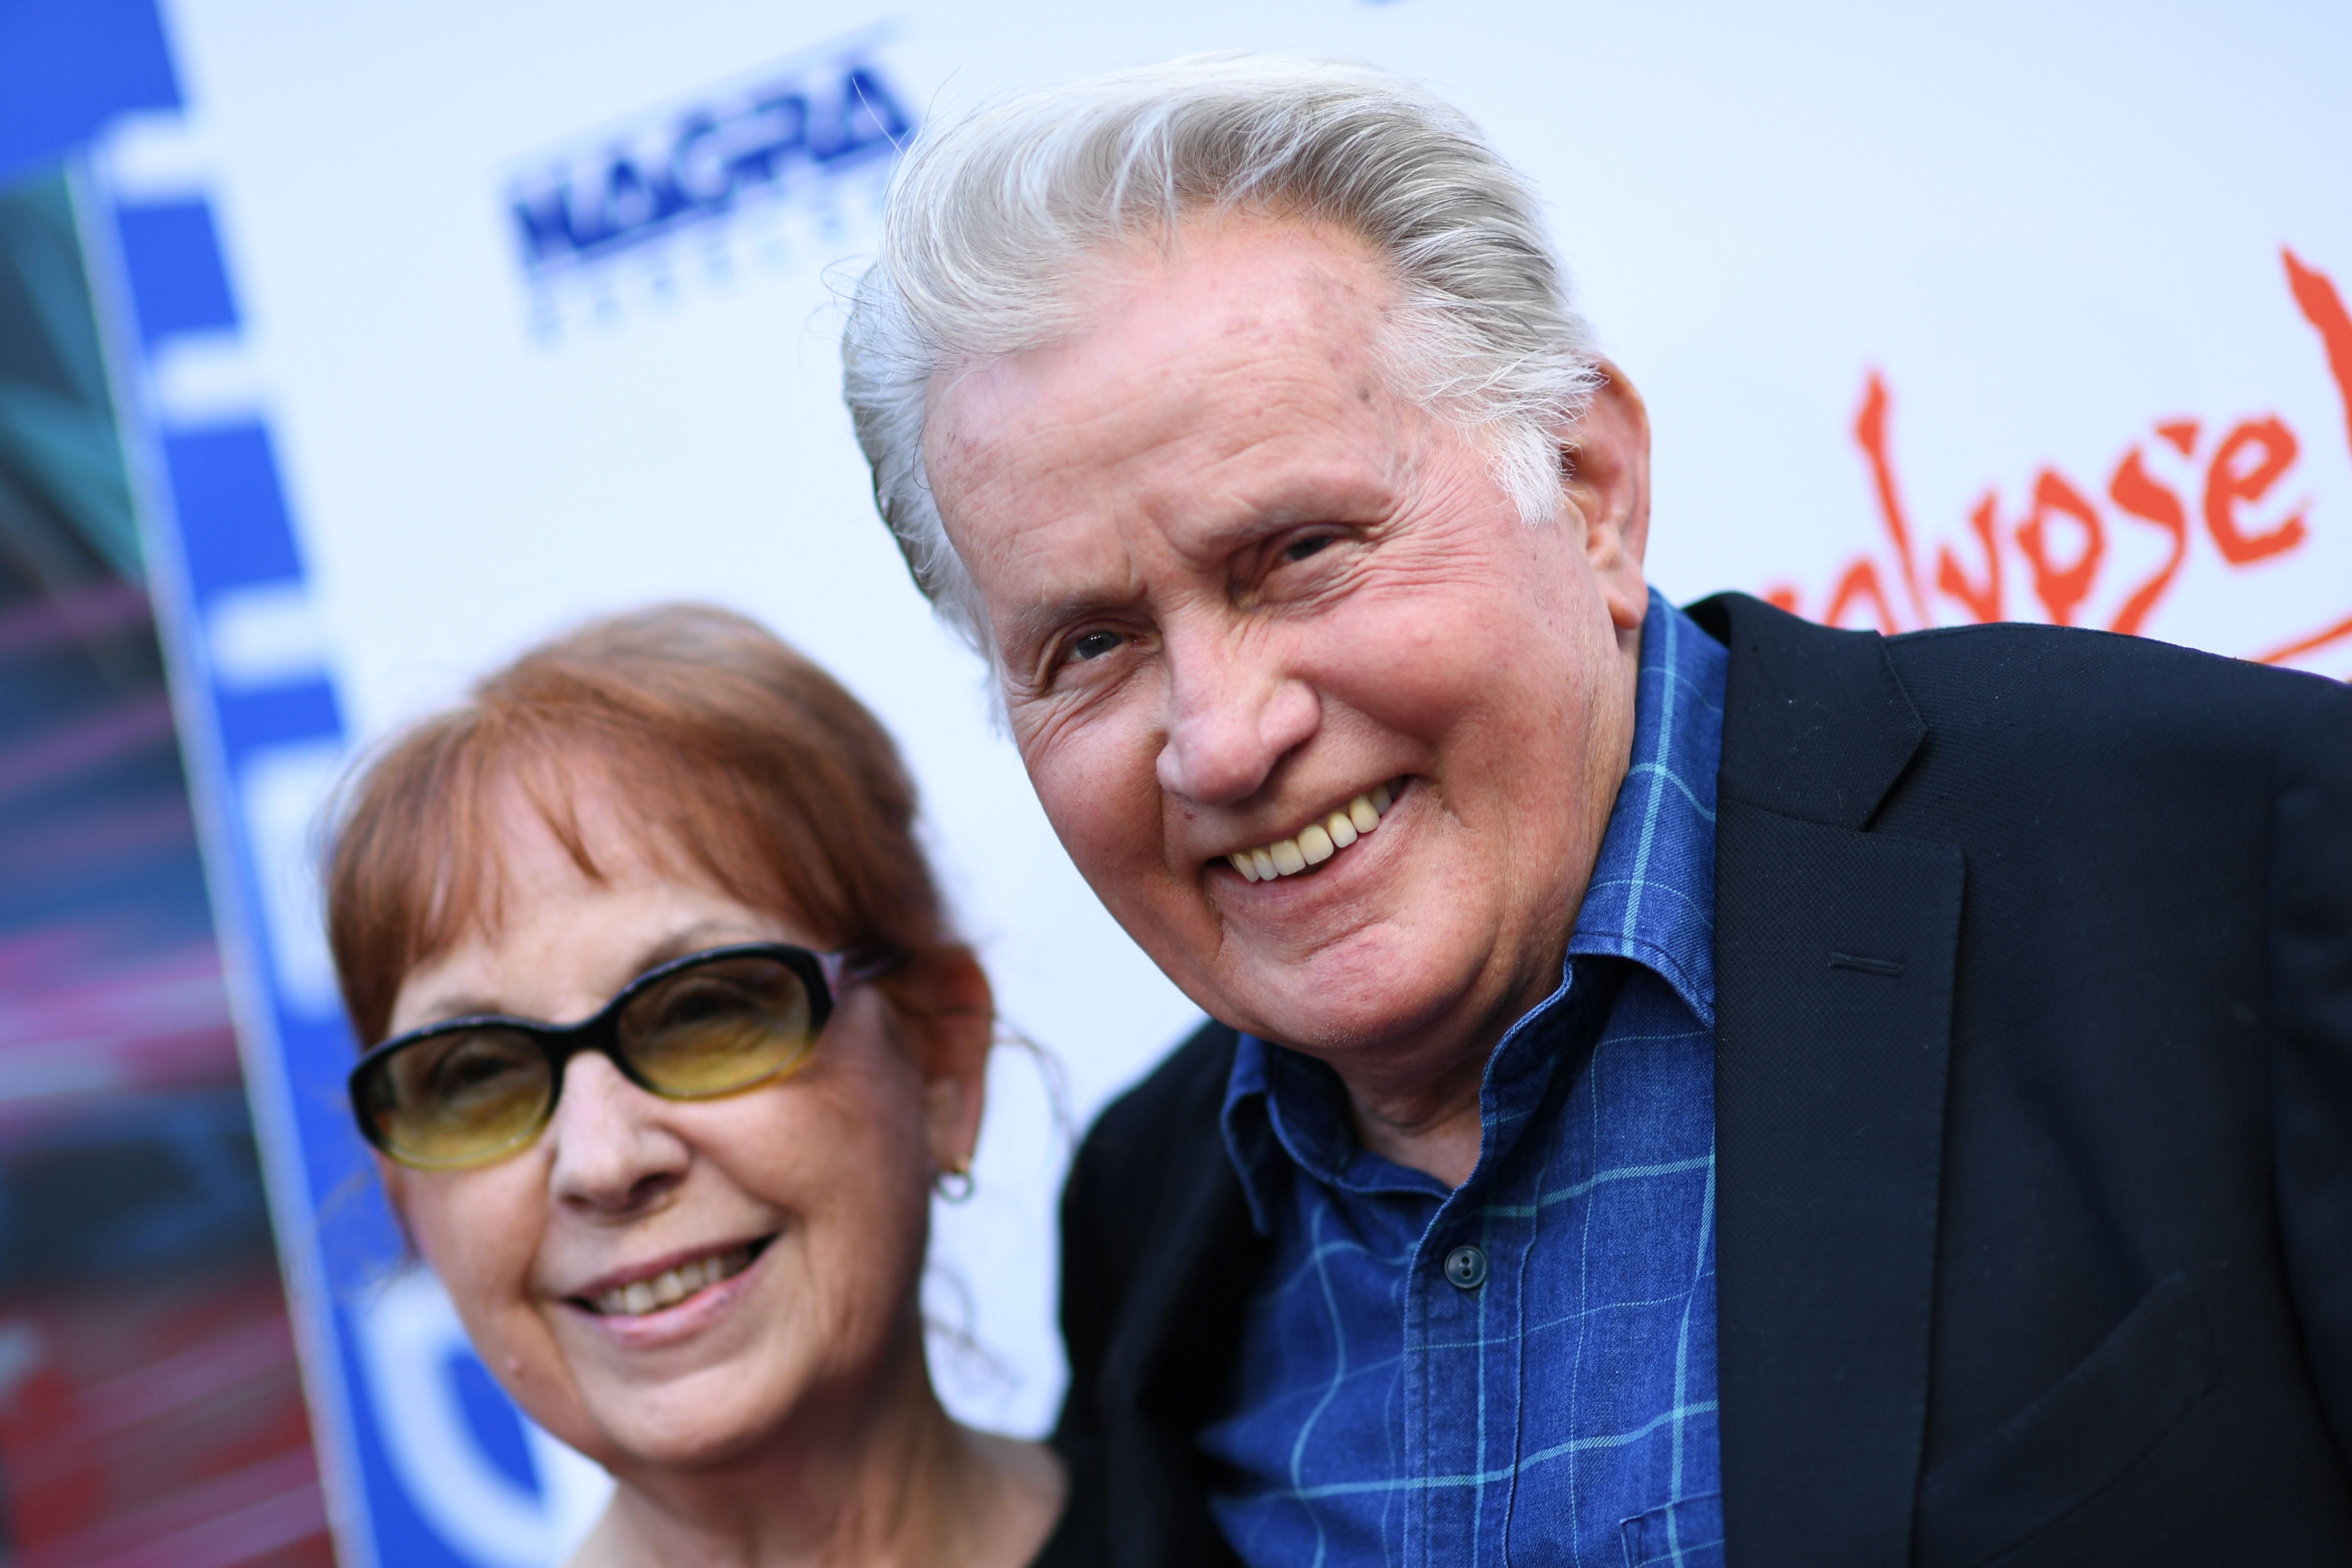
(992, 219)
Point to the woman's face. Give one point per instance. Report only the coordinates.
(794, 1213)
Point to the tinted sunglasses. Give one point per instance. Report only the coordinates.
(469, 1090)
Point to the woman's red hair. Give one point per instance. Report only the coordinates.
(730, 751)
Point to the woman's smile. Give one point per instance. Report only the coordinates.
(670, 1299)
(657, 1286)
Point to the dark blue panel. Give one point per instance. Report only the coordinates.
(130, 1184)
(173, 257)
(491, 1415)
(232, 513)
(67, 66)
(402, 1536)
(275, 716)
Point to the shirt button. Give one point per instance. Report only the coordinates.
(1465, 1268)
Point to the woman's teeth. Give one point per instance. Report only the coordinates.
(1318, 842)
(671, 1286)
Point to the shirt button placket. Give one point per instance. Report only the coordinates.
(1465, 1268)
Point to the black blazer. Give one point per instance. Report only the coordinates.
(2033, 1124)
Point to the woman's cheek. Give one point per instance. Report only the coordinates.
(868, 1203)
(480, 1232)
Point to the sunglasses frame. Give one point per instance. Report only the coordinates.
(825, 976)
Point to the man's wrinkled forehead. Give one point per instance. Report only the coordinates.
(1161, 323)
(1205, 367)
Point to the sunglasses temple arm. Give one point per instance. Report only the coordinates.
(840, 972)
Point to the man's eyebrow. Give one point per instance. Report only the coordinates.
(1343, 498)
(1034, 622)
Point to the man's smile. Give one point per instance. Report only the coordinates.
(1320, 840)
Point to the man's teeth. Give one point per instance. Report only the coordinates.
(672, 1286)
(1316, 843)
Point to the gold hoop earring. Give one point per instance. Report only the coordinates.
(954, 1184)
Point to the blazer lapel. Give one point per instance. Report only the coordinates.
(1834, 955)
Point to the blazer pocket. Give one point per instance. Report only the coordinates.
(2077, 1440)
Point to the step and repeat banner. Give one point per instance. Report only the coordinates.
(454, 324)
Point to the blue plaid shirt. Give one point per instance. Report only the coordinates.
(1561, 1407)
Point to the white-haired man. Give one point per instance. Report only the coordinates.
(1684, 1084)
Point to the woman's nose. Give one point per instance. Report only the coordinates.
(614, 1154)
(1232, 718)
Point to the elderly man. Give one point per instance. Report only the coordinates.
(1684, 1085)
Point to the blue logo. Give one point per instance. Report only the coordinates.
(777, 153)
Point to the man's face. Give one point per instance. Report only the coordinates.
(1237, 581)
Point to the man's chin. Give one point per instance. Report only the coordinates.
(1339, 1017)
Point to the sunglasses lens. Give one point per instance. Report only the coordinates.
(720, 1026)
(453, 1099)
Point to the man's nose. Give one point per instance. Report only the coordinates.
(1232, 718)
(614, 1152)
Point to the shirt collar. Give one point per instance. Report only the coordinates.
(1652, 897)
(1650, 901)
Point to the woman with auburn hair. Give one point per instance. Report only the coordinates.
(667, 1045)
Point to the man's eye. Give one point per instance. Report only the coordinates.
(1093, 645)
(1299, 549)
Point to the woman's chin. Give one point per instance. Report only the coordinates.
(690, 1423)
(700, 1403)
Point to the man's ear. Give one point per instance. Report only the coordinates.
(1605, 476)
(950, 1015)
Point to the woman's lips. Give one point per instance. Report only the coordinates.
(671, 1285)
(673, 1301)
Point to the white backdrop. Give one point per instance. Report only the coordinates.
(2046, 231)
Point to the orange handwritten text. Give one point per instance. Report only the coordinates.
(2238, 489)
